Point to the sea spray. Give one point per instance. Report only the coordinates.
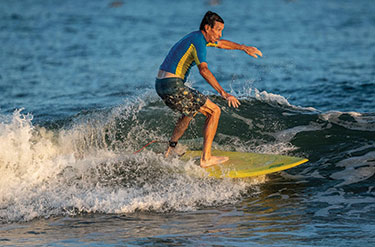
(71, 171)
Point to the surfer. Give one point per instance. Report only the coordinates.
(173, 72)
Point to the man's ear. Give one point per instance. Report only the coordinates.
(206, 27)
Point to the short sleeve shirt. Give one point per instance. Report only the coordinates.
(189, 51)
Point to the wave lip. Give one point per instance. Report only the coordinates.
(273, 99)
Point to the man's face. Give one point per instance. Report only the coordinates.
(214, 33)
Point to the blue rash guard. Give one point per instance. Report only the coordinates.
(189, 51)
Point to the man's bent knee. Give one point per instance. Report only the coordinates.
(216, 110)
(210, 109)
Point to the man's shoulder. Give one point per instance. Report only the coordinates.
(197, 33)
(195, 36)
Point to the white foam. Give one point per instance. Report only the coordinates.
(276, 147)
(69, 171)
(273, 99)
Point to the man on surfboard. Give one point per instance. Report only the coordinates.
(173, 72)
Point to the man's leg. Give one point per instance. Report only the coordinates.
(212, 112)
(181, 126)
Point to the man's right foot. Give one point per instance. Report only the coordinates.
(213, 161)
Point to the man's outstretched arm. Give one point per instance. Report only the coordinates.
(230, 45)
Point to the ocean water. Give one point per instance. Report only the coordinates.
(77, 99)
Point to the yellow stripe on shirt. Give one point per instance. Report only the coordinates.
(186, 60)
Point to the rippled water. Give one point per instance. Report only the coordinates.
(77, 99)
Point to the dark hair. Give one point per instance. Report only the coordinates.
(209, 19)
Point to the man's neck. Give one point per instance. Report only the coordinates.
(204, 35)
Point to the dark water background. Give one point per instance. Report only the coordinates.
(77, 99)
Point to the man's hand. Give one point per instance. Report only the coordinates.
(210, 78)
(232, 101)
(252, 51)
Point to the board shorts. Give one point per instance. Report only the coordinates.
(177, 96)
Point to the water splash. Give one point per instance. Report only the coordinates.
(73, 170)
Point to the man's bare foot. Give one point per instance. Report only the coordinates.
(175, 152)
(213, 161)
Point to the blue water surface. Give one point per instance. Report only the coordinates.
(77, 99)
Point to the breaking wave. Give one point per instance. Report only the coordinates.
(85, 163)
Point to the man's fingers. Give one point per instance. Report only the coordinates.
(229, 102)
(233, 102)
(260, 53)
(238, 103)
(254, 52)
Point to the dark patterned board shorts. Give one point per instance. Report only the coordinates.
(179, 97)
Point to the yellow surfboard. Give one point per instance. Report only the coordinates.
(242, 165)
